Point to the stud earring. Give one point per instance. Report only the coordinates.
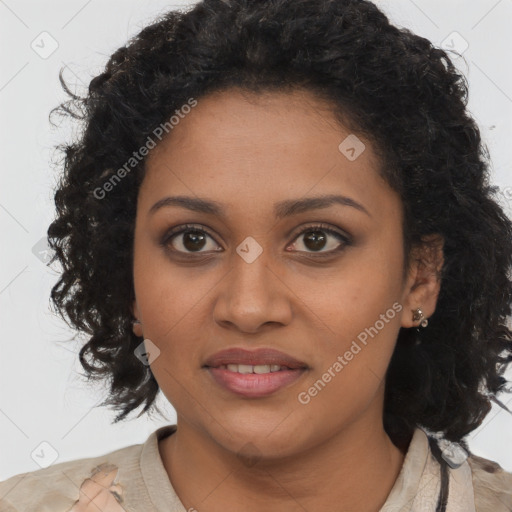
(417, 315)
(137, 328)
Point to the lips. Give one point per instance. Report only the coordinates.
(261, 356)
(255, 373)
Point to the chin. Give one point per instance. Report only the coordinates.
(259, 435)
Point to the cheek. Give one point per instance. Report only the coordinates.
(166, 293)
(354, 355)
(352, 296)
(172, 302)
(358, 316)
(172, 317)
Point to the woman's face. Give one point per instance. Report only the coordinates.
(251, 281)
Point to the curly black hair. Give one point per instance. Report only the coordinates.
(385, 83)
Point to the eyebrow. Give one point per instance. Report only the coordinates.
(281, 209)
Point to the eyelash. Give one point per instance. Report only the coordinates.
(346, 241)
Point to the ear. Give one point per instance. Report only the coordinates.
(134, 309)
(137, 327)
(424, 279)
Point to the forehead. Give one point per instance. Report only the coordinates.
(252, 147)
(246, 119)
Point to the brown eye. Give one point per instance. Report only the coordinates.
(317, 238)
(188, 239)
(194, 240)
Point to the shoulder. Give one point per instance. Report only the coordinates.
(57, 487)
(492, 485)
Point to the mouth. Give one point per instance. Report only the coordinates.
(258, 359)
(254, 374)
(259, 369)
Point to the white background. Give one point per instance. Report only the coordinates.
(42, 397)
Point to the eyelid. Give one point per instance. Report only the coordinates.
(166, 242)
(186, 227)
(344, 238)
(322, 226)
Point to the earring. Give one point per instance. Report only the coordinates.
(417, 314)
(137, 328)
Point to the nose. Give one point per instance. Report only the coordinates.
(252, 295)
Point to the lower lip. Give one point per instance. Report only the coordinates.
(254, 385)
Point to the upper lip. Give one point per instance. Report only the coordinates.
(255, 357)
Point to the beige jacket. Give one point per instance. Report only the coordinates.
(134, 479)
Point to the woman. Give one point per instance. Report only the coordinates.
(279, 214)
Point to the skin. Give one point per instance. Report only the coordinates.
(248, 152)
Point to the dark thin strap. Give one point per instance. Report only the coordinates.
(442, 500)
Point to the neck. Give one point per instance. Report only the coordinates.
(355, 469)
